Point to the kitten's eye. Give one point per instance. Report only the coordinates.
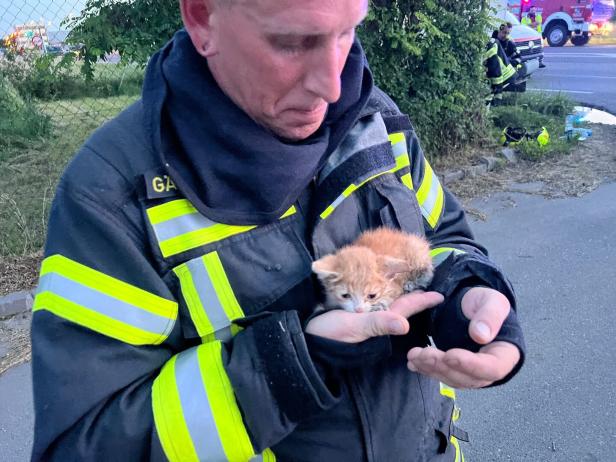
(346, 296)
(371, 296)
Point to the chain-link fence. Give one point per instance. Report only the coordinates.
(44, 67)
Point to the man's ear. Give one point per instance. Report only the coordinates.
(198, 18)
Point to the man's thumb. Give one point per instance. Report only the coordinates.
(385, 323)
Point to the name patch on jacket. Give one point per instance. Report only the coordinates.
(158, 184)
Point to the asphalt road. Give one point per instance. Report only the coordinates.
(587, 74)
(561, 256)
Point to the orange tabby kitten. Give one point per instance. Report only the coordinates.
(369, 274)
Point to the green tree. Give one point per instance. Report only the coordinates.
(426, 54)
(135, 28)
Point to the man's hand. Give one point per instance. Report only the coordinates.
(356, 327)
(487, 309)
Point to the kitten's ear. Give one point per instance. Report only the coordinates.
(324, 268)
(393, 266)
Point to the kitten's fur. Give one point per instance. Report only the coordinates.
(369, 274)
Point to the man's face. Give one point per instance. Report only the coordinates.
(503, 33)
(281, 60)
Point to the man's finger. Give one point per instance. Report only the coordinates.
(487, 309)
(492, 363)
(415, 302)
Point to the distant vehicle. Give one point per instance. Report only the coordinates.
(602, 12)
(562, 20)
(54, 50)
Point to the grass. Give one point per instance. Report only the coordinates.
(533, 111)
(30, 171)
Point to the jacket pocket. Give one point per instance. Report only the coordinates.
(240, 277)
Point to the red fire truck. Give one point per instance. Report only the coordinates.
(561, 20)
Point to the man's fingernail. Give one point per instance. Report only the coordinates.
(482, 329)
(395, 327)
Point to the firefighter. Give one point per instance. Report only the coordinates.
(499, 70)
(503, 35)
(174, 318)
(533, 19)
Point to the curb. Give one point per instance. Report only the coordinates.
(16, 303)
(488, 163)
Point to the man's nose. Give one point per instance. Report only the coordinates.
(323, 77)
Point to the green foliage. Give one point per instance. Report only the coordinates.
(19, 119)
(46, 77)
(533, 111)
(32, 169)
(428, 56)
(135, 28)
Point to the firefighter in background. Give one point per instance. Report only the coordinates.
(499, 70)
(511, 50)
(533, 19)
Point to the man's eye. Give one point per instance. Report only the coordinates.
(345, 295)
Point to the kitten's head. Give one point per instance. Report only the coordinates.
(357, 280)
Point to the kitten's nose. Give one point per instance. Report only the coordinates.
(361, 309)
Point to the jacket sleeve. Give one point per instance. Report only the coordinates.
(113, 377)
(460, 261)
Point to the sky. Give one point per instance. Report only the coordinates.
(20, 11)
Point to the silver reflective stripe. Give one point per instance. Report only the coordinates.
(399, 149)
(207, 295)
(196, 408)
(338, 201)
(104, 304)
(224, 335)
(181, 225)
(430, 200)
(257, 458)
(442, 256)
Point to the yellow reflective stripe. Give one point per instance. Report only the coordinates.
(440, 254)
(209, 296)
(195, 411)
(170, 210)
(179, 227)
(268, 456)
(459, 456)
(447, 391)
(200, 237)
(108, 285)
(222, 287)
(292, 210)
(491, 51)
(97, 322)
(169, 417)
(191, 296)
(430, 196)
(398, 142)
(231, 430)
(455, 416)
(407, 181)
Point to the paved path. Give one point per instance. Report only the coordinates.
(561, 256)
(16, 414)
(587, 74)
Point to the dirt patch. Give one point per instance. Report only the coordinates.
(591, 163)
(19, 273)
(15, 341)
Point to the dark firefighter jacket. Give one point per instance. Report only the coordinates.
(499, 70)
(161, 334)
(510, 49)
